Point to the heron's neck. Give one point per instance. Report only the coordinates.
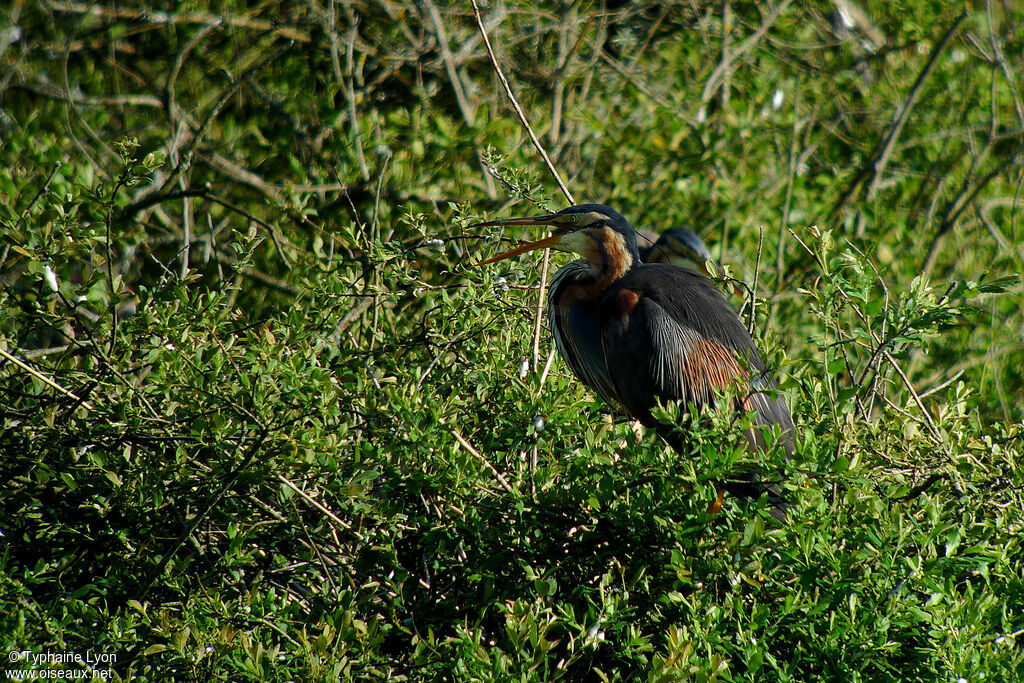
(609, 256)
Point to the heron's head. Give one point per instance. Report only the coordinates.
(598, 233)
(680, 247)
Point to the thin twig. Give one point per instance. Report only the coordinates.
(547, 367)
(561, 67)
(539, 314)
(913, 393)
(879, 345)
(457, 86)
(751, 321)
(122, 181)
(204, 192)
(350, 93)
(319, 506)
(149, 200)
(534, 458)
(194, 523)
(726, 45)
(449, 62)
(375, 221)
(178, 123)
(876, 165)
(150, 16)
(634, 80)
(41, 353)
(515, 105)
(223, 98)
(780, 254)
(1000, 58)
(955, 208)
(547, 161)
(42, 189)
(729, 56)
(43, 378)
(957, 375)
(885, 323)
(469, 447)
(908, 102)
(186, 226)
(353, 313)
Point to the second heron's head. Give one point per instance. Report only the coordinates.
(596, 232)
(683, 248)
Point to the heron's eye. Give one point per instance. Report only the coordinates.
(574, 218)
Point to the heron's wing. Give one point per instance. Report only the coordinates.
(668, 333)
(575, 325)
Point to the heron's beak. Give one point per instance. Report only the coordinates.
(551, 241)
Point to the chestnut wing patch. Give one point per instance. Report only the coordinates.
(651, 355)
(684, 348)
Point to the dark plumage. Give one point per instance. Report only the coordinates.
(638, 333)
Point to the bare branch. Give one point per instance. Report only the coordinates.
(43, 378)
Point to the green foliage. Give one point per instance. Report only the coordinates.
(263, 420)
